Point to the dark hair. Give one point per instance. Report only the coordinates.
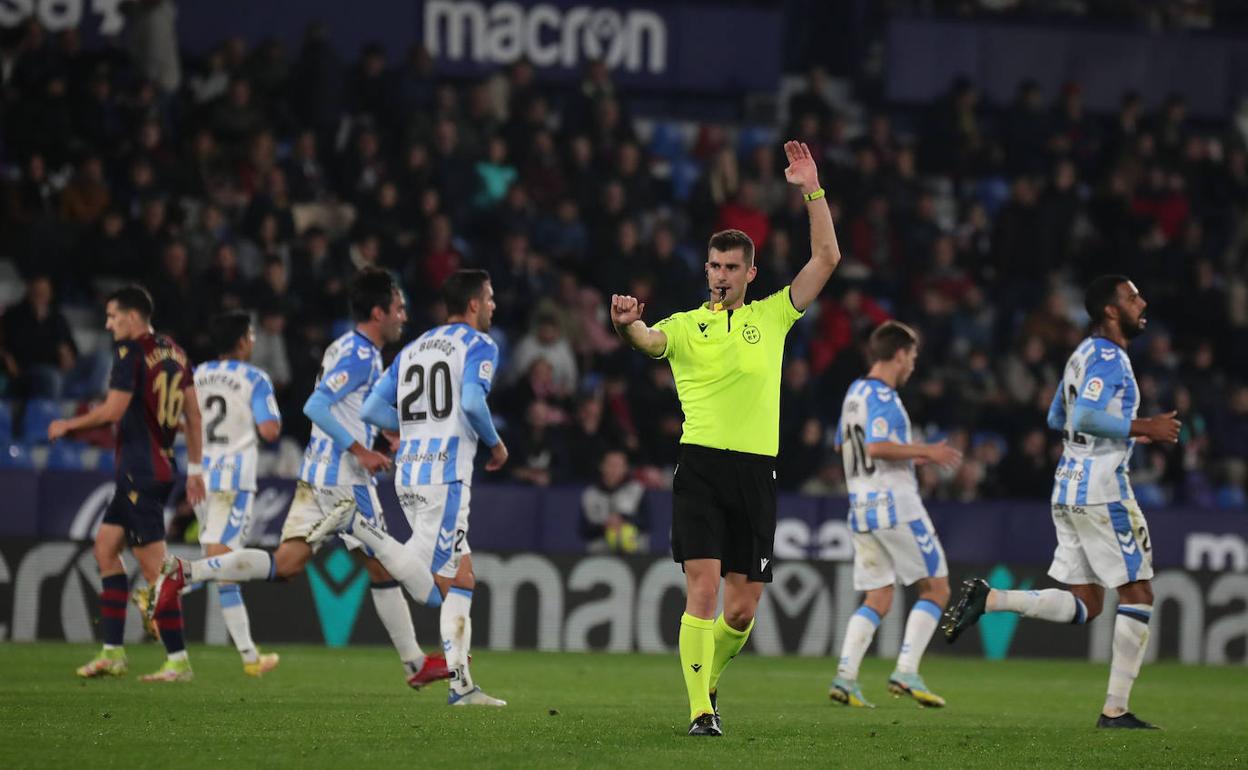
(133, 297)
(461, 288)
(227, 329)
(1100, 293)
(727, 240)
(371, 287)
(888, 338)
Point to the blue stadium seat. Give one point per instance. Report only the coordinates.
(1231, 498)
(67, 456)
(1150, 495)
(685, 175)
(6, 422)
(668, 142)
(107, 462)
(40, 412)
(753, 136)
(16, 456)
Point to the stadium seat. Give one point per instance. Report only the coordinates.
(6, 422)
(107, 461)
(16, 456)
(685, 175)
(67, 456)
(40, 412)
(1150, 495)
(753, 136)
(1231, 498)
(668, 142)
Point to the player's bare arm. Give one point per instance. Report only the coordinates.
(107, 413)
(825, 253)
(939, 453)
(1162, 428)
(626, 318)
(193, 424)
(269, 430)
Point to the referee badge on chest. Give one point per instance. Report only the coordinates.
(751, 334)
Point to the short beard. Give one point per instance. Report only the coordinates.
(1133, 330)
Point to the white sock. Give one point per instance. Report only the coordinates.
(401, 562)
(1130, 642)
(236, 567)
(236, 620)
(396, 616)
(1052, 604)
(858, 635)
(920, 626)
(457, 636)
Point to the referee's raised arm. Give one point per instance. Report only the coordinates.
(825, 253)
(626, 318)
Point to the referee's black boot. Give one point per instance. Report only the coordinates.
(706, 724)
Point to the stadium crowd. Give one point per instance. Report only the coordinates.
(263, 178)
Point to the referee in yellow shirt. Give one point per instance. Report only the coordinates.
(726, 358)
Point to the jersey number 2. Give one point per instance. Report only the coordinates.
(440, 397)
(214, 422)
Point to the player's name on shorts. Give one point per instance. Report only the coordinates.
(424, 457)
(867, 504)
(1074, 473)
(441, 344)
(1076, 510)
(224, 379)
(164, 354)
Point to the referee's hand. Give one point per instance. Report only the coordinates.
(625, 310)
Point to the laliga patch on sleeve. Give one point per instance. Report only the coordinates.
(485, 371)
(337, 380)
(1092, 389)
(879, 428)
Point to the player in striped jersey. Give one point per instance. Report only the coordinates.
(434, 395)
(1102, 538)
(893, 536)
(237, 402)
(336, 478)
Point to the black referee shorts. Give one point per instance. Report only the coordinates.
(724, 507)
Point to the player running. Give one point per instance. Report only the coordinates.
(893, 536)
(237, 402)
(336, 476)
(434, 394)
(1102, 538)
(150, 394)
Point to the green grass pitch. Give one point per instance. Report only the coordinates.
(351, 709)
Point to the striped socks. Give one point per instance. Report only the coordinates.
(113, 596)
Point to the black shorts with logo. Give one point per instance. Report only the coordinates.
(724, 507)
(138, 507)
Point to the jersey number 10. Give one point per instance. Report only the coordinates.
(858, 447)
(440, 397)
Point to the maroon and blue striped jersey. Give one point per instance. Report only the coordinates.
(155, 371)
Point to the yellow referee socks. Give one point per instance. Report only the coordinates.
(728, 642)
(697, 652)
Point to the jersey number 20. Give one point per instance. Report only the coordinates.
(440, 396)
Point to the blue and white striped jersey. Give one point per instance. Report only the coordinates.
(426, 383)
(349, 368)
(882, 493)
(1093, 470)
(234, 397)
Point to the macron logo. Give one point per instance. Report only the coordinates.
(762, 567)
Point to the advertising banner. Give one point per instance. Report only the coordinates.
(48, 591)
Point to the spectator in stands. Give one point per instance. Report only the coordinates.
(613, 509)
(546, 341)
(538, 452)
(40, 353)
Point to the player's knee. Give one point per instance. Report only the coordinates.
(937, 592)
(880, 600)
(1140, 592)
(739, 615)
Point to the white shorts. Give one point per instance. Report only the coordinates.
(1106, 544)
(225, 517)
(909, 551)
(438, 514)
(313, 505)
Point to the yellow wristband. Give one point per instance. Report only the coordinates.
(816, 195)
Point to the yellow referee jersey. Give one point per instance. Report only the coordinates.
(727, 371)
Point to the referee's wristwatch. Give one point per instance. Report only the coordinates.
(813, 196)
